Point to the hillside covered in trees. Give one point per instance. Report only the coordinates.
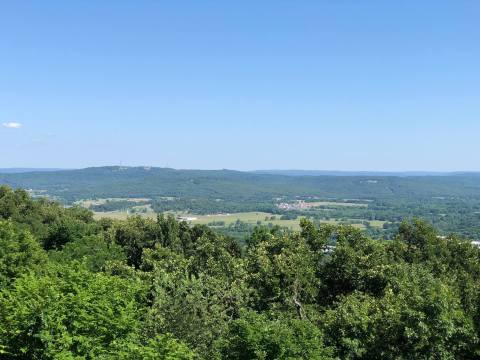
(72, 287)
(151, 182)
(451, 202)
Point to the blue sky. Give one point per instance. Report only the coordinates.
(347, 85)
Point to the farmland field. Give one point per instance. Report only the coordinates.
(336, 203)
(223, 220)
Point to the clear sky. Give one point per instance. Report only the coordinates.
(346, 85)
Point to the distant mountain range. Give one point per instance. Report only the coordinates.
(299, 172)
(360, 173)
(26, 170)
(258, 186)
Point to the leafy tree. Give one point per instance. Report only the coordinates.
(73, 313)
(281, 269)
(419, 317)
(357, 264)
(134, 235)
(255, 336)
(94, 251)
(193, 307)
(19, 253)
(72, 287)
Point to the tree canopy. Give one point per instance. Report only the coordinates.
(72, 287)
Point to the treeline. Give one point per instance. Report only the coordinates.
(211, 206)
(117, 205)
(459, 215)
(75, 288)
(140, 182)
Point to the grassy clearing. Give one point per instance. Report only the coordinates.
(334, 203)
(87, 203)
(252, 218)
(122, 215)
(377, 223)
(247, 217)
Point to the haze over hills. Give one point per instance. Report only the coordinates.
(377, 202)
(24, 170)
(151, 182)
(287, 172)
(301, 172)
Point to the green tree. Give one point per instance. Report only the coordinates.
(255, 336)
(195, 308)
(73, 313)
(19, 253)
(419, 317)
(358, 263)
(93, 250)
(281, 269)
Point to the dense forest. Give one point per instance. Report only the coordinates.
(451, 202)
(72, 287)
(237, 186)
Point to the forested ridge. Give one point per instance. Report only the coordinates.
(152, 182)
(72, 287)
(451, 202)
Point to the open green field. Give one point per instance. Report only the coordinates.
(87, 203)
(252, 218)
(122, 215)
(377, 223)
(246, 217)
(336, 203)
(255, 218)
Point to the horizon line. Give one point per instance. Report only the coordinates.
(274, 170)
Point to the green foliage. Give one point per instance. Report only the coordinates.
(450, 202)
(358, 263)
(419, 317)
(281, 269)
(116, 205)
(94, 251)
(75, 288)
(69, 311)
(255, 336)
(135, 235)
(19, 253)
(51, 224)
(161, 347)
(66, 229)
(194, 305)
